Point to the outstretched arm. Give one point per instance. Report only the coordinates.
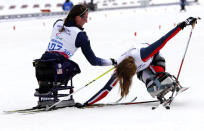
(154, 48)
(83, 42)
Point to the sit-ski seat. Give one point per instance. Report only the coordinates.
(53, 76)
(162, 85)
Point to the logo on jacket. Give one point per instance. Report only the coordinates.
(58, 37)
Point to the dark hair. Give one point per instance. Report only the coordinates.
(125, 71)
(77, 10)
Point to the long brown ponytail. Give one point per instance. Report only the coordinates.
(77, 10)
(125, 71)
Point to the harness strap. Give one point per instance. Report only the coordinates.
(61, 53)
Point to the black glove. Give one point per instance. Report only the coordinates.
(114, 62)
(189, 21)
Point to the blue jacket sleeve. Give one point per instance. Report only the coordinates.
(83, 42)
(154, 48)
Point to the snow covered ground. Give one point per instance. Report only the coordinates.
(111, 33)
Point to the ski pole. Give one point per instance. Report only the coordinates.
(50, 107)
(186, 49)
(184, 54)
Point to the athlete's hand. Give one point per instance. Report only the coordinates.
(190, 21)
(114, 62)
